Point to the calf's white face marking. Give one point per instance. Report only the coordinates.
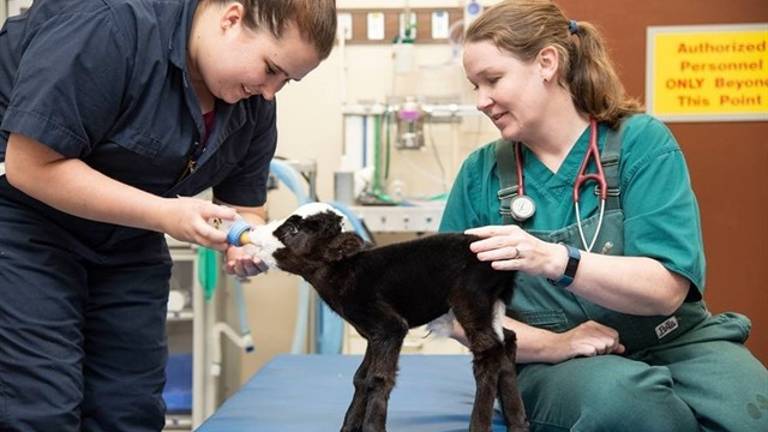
(264, 243)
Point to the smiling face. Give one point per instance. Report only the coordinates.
(235, 62)
(511, 92)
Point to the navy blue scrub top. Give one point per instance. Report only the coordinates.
(106, 81)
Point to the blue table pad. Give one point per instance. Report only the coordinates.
(293, 393)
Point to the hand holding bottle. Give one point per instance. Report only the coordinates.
(241, 259)
(187, 220)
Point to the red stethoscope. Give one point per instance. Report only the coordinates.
(522, 206)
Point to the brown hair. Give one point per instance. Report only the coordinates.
(525, 27)
(315, 19)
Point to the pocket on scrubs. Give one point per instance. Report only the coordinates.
(554, 320)
(138, 143)
(730, 326)
(210, 173)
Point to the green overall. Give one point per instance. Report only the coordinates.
(684, 372)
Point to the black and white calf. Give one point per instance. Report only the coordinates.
(384, 291)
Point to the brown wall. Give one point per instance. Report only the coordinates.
(728, 160)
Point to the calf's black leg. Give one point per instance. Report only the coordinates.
(353, 420)
(488, 351)
(509, 395)
(385, 352)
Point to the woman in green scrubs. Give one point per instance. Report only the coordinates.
(612, 331)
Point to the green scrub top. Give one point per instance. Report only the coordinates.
(661, 215)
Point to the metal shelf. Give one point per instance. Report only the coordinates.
(418, 219)
(183, 315)
(178, 422)
(187, 329)
(175, 244)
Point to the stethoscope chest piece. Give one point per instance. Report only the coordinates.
(522, 208)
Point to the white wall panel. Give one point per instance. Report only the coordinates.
(15, 6)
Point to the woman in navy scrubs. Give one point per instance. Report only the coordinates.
(113, 113)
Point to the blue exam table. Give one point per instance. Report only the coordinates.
(306, 393)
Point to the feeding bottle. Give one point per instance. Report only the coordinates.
(238, 230)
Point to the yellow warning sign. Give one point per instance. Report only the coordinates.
(708, 73)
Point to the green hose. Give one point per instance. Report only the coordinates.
(377, 154)
(377, 189)
(207, 271)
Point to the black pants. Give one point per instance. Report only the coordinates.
(82, 324)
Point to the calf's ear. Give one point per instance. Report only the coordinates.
(342, 246)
